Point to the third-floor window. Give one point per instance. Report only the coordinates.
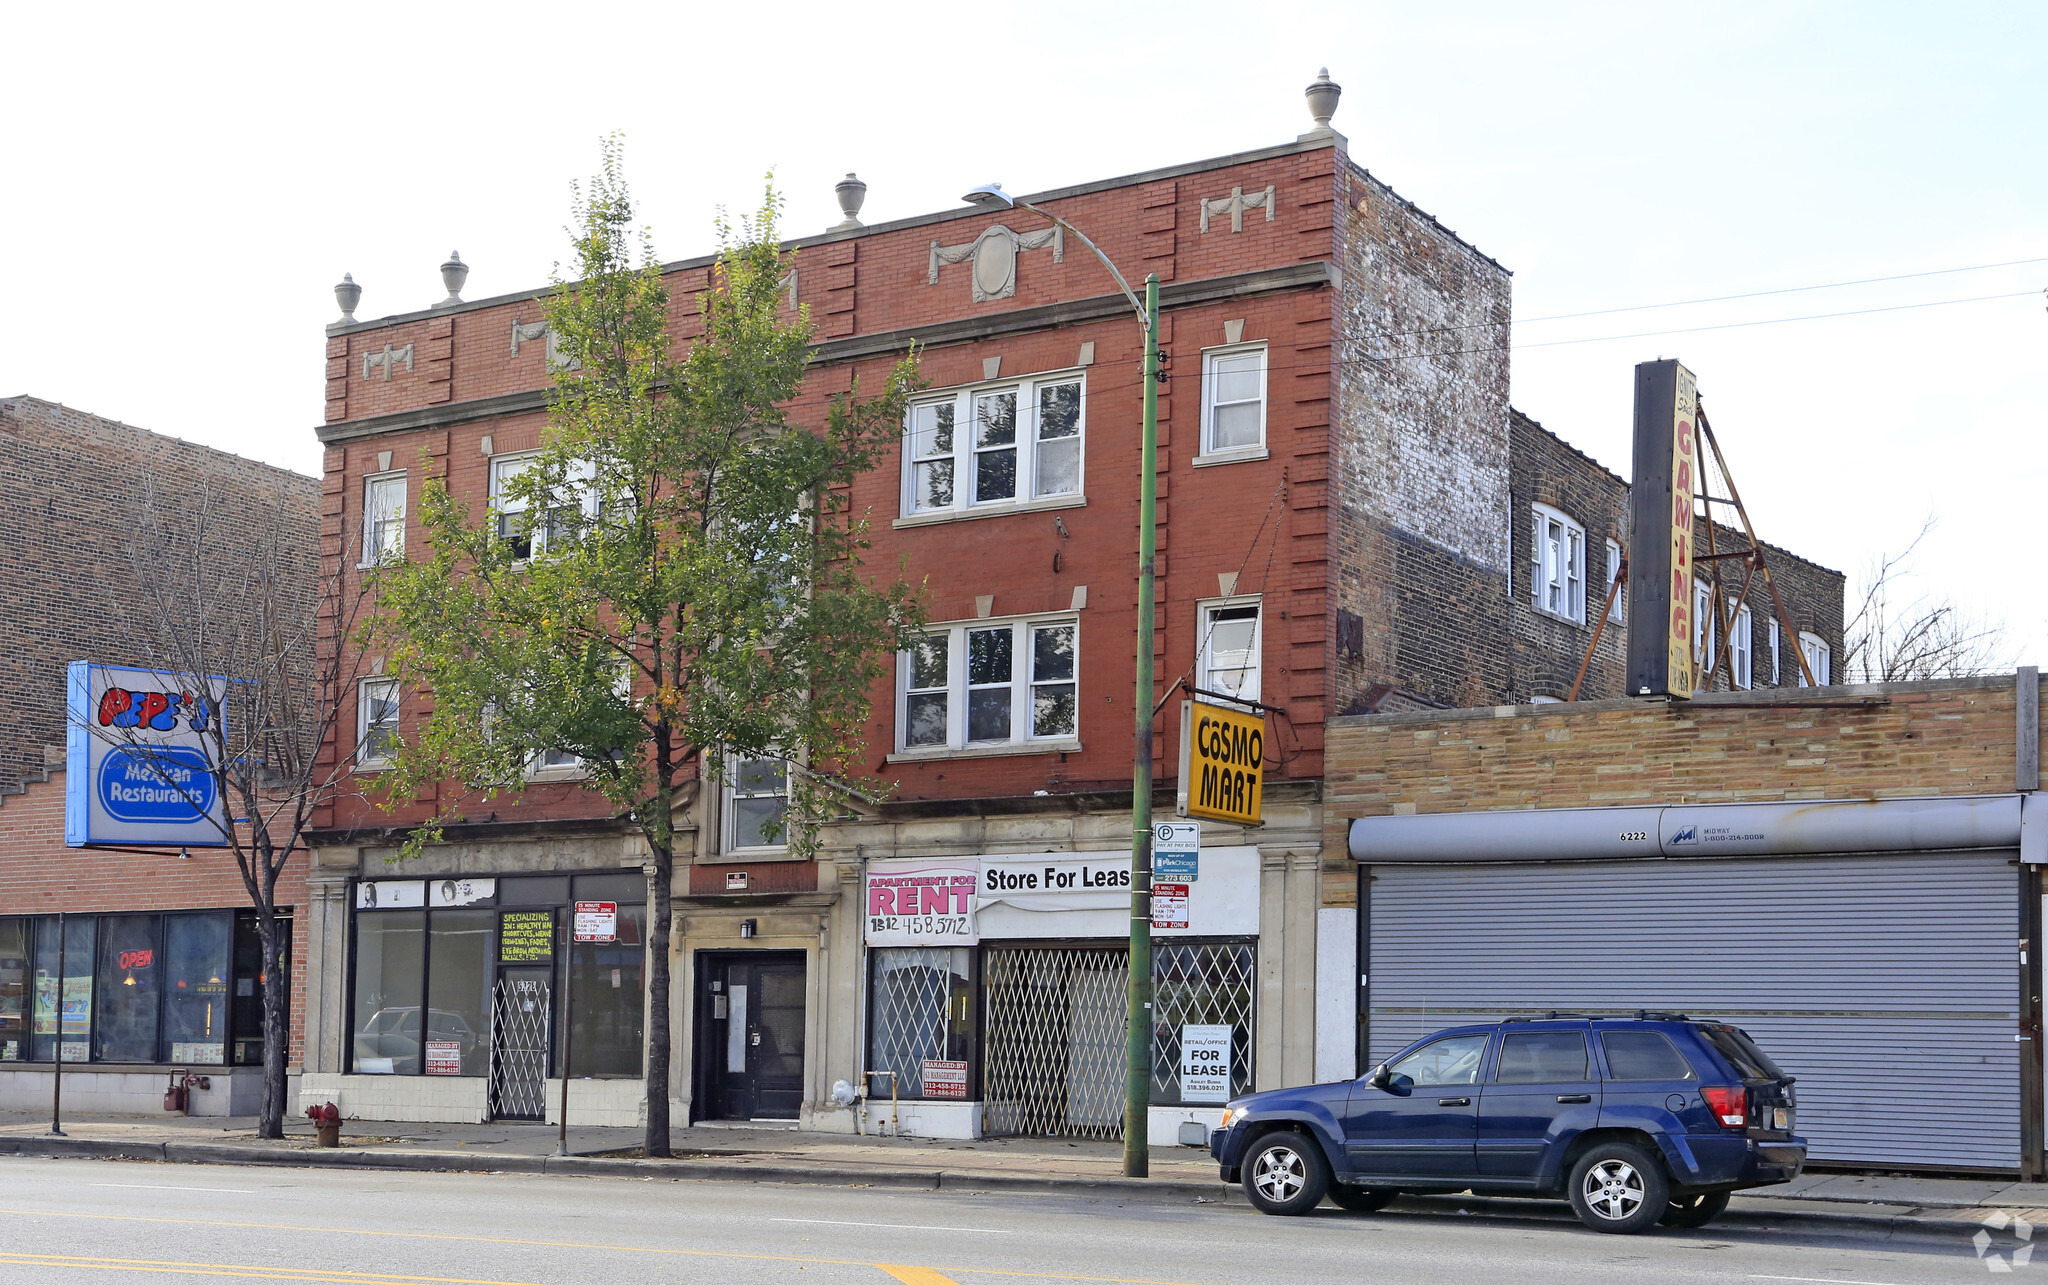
(995, 447)
(383, 517)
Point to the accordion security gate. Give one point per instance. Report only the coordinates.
(1053, 1062)
(519, 1048)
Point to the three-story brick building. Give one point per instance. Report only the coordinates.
(1343, 522)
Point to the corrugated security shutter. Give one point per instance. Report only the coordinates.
(1886, 984)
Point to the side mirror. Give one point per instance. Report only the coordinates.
(1378, 1079)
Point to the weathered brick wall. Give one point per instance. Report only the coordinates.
(69, 504)
(39, 875)
(1891, 740)
(1422, 478)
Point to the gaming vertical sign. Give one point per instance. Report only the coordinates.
(1660, 552)
(138, 768)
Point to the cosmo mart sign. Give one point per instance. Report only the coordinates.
(139, 758)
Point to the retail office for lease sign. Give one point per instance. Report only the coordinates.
(139, 761)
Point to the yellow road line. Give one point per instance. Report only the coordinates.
(571, 1244)
(246, 1271)
(916, 1275)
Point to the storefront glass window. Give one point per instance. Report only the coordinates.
(1200, 990)
(605, 999)
(129, 988)
(461, 951)
(923, 1011)
(390, 973)
(14, 990)
(77, 988)
(195, 976)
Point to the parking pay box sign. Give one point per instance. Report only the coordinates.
(1177, 851)
(1205, 1063)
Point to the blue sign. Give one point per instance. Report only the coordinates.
(1176, 851)
(164, 784)
(1176, 867)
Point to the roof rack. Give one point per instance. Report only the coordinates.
(1658, 1015)
(1554, 1015)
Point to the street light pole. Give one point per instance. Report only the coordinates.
(1138, 993)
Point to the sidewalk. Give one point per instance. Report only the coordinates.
(1044, 1165)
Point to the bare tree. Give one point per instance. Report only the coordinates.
(238, 616)
(1887, 641)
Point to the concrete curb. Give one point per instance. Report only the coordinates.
(1779, 1211)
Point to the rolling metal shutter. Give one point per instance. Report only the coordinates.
(1887, 983)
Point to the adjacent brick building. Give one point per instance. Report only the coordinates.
(75, 593)
(1340, 504)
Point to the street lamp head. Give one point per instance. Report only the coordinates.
(990, 194)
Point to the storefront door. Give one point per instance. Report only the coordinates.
(750, 1035)
(520, 1030)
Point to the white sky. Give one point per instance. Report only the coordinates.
(185, 185)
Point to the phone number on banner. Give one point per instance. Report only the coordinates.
(944, 927)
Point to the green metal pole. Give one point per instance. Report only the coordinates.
(1138, 1046)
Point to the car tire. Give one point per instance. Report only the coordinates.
(1360, 1200)
(1285, 1173)
(1618, 1188)
(1694, 1210)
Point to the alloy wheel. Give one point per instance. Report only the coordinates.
(1614, 1189)
(1280, 1174)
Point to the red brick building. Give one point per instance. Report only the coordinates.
(1336, 529)
(161, 969)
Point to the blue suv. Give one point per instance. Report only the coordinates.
(1636, 1121)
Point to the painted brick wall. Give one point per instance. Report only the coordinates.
(41, 876)
(1863, 742)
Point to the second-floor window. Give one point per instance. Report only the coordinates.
(756, 804)
(994, 447)
(1619, 611)
(376, 722)
(990, 684)
(1559, 564)
(383, 518)
(1819, 658)
(1229, 641)
(1234, 400)
(526, 542)
(1776, 673)
(1740, 639)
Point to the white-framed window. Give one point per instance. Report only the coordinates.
(1740, 639)
(756, 804)
(1618, 611)
(582, 497)
(989, 683)
(383, 517)
(995, 445)
(1227, 633)
(1776, 679)
(1559, 564)
(1705, 647)
(1234, 400)
(376, 721)
(1819, 658)
(557, 763)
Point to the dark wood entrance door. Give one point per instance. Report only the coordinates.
(750, 1035)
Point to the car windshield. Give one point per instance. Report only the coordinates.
(1742, 1053)
(1451, 1060)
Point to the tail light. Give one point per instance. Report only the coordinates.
(1730, 1106)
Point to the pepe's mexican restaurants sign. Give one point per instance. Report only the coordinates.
(140, 757)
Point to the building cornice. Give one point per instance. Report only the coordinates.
(1070, 312)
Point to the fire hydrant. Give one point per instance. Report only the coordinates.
(326, 1120)
(178, 1094)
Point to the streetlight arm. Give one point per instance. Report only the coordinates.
(1143, 319)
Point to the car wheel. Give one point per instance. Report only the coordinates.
(1285, 1173)
(1360, 1200)
(1615, 1187)
(1695, 1210)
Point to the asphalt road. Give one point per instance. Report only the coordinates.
(65, 1221)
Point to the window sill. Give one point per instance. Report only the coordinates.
(744, 855)
(1558, 616)
(374, 766)
(1240, 455)
(990, 511)
(987, 751)
(545, 775)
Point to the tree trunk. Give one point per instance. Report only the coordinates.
(659, 1043)
(276, 1025)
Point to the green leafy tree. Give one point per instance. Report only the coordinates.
(676, 581)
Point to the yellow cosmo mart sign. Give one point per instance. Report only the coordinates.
(1222, 762)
